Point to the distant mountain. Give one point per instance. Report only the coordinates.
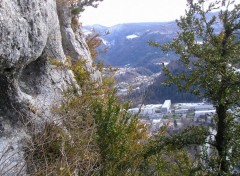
(128, 43)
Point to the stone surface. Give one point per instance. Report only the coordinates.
(32, 34)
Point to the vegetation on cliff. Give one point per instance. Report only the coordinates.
(95, 134)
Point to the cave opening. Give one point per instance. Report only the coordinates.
(30, 79)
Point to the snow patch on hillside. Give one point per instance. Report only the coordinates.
(133, 36)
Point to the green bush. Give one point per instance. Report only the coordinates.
(120, 137)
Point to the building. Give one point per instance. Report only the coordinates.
(204, 107)
(181, 111)
(150, 111)
(166, 107)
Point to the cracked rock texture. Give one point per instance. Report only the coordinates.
(32, 33)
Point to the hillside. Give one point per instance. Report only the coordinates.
(128, 43)
(128, 48)
(158, 92)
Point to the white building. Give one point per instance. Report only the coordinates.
(147, 110)
(205, 113)
(194, 106)
(181, 111)
(204, 107)
(166, 106)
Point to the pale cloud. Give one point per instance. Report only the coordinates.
(111, 12)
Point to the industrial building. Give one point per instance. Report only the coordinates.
(166, 107)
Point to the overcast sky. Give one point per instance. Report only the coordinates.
(111, 12)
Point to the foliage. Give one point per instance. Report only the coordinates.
(84, 3)
(159, 91)
(82, 76)
(192, 135)
(71, 9)
(94, 43)
(173, 154)
(78, 6)
(95, 135)
(43, 151)
(211, 59)
(120, 137)
(169, 162)
(75, 11)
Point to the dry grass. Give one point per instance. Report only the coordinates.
(59, 151)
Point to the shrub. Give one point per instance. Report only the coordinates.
(120, 137)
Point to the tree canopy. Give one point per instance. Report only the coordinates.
(211, 60)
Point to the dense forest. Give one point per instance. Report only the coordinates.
(158, 91)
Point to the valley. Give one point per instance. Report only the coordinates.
(133, 80)
(138, 64)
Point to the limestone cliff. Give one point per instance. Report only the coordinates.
(32, 32)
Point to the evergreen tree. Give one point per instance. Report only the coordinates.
(211, 61)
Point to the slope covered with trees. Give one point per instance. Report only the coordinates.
(128, 43)
(158, 91)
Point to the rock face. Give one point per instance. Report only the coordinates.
(31, 35)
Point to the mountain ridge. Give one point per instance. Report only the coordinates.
(128, 43)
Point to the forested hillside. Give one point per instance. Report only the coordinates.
(158, 91)
(127, 44)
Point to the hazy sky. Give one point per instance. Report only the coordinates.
(111, 12)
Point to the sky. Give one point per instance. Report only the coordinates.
(112, 12)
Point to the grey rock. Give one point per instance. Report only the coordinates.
(32, 34)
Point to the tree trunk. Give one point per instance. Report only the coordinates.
(221, 138)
